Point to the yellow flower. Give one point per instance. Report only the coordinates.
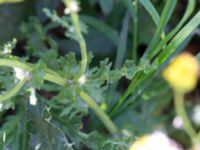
(182, 73)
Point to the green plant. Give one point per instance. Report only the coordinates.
(86, 109)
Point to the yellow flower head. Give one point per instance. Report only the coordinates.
(182, 73)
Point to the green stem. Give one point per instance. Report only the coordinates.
(57, 79)
(135, 30)
(180, 110)
(101, 114)
(50, 75)
(12, 92)
(82, 44)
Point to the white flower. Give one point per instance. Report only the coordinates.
(177, 122)
(155, 141)
(82, 80)
(196, 114)
(20, 74)
(72, 7)
(32, 97)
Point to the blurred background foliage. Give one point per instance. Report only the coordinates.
(106, 19)
(102, 16)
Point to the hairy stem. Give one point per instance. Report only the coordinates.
(101, 114)
(82, 44)
(12, 92)
(52, 76)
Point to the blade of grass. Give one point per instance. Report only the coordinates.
(105, 29)
(166, 14)
(188, 12)
(179, 38)
(141, 77)
(121, 50)
(152, 12)
(133, 8)
(129, 5)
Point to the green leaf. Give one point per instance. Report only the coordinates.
(33, 31)
(50, 4)
(151, 10)
(55, 18)
(121, 50)
(37, 74)
(129, 69)
(11, 130)
(43, 133)
(166, 14)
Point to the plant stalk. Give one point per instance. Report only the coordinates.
(51, 76)
(100, 113)
(180, 110)
(75, 20)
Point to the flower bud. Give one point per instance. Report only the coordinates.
(182, 73)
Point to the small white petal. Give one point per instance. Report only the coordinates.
(67, 11)
(72, 7)
(177, 122)
(32, 97)
(20, 74)
(82, 79)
